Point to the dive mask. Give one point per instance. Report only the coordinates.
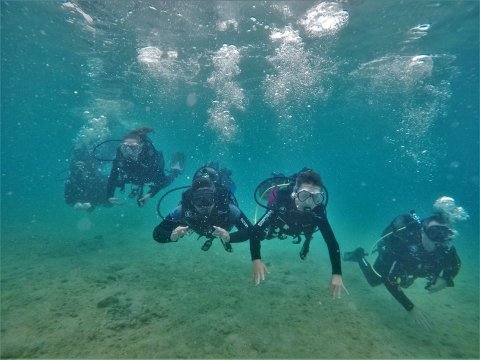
(439, 233)
(131, 151)
(203, 198)
(304, 195)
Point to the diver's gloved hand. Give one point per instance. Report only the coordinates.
(259, 271)
(336, 286)
(178, 233)
(420, 318)
(221, 233)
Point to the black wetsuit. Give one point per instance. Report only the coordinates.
(283, 219)
(402, 259)
(85, 183)
(224, 215)
(148, 169)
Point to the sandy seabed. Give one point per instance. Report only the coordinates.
(119, 294)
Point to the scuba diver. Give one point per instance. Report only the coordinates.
(139, 163)
(207, 208)
(296, 206)
(411, 248)
(86, 185)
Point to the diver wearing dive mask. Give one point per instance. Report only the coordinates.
(131, 149)
(137, 162)
(308, 197)
(205, 209)
(439, 233)
(203, 200)
(411, 249)
(296, 210)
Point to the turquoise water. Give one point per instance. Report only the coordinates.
(381, 98)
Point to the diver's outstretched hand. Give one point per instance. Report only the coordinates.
(116, 201)
(178, 233)
(221, 233)
(420, 318)
(336, 286)
(144, 199)
(259, 271)
(440, 284)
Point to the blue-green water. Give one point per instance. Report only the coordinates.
(381, 97)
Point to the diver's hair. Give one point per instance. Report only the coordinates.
(139, 133)
(439, 217)
(308, 176)
(202, 182)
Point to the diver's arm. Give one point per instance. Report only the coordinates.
(241, 222)
(451, 266)
(332, 244)
(336, 284)
(161, 180)
(163, 231)
(112, 179)
(246, 231)
(257, 233)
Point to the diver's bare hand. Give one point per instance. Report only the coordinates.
(440, 284)
(144, 199)
(336, 286)
(259, 271)
(116, 201)
(221, 233)
(178, 233)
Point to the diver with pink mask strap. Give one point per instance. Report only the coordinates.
(296, 208)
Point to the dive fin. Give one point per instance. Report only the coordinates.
(177, 164)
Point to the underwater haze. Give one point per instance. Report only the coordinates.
(380, 97)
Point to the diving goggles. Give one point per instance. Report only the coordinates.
(304, 195)
(203, 198)
(439, 233)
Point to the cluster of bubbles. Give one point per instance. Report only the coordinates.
(447, 206)
(163, 64)
(297, 76)
(417, 32)
(283, 9)
(75, 9)
(324, 19)
(409, 87)
(285, 89)
(227, 12)
(292, 92)
(93, 132)
(225, 25)
(229, 96)
(396, 73)
(95, 67)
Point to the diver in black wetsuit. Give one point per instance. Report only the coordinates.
(208, 209)
(86, 184)
(139, 163)
(295, 210)
(410, 249)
